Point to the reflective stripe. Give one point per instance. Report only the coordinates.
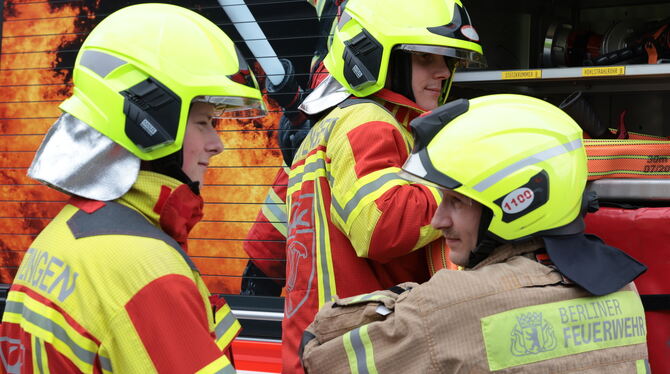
(227, 328)
(101, 63)
(219, 366)
(326, 278)
(84, 355)
(39, 356)
(361, 193)
(351, 353)
(312, 166)
(346, 17)
(275, 210)
(105, 363)
(642, 367)
(365, 297)
(359, 351)
(227, 370)
(532, 160)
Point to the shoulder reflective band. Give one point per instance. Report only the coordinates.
(542, 332)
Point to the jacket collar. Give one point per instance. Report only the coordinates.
(167, 203)
(506, 251)
(398, 99)
(403, 109)
(146, 193)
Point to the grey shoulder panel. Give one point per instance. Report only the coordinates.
(355, 100)
(117, 219)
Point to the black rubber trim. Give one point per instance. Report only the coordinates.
(656, 302)
(434, 175)
(397, 289)
(306, 338)
(4, 291)
(429, 124)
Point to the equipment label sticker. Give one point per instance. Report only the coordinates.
(522, 74)
(542, 332)
(603, 71)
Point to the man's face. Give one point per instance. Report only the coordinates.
(201, 141)
(429, 71)
(458, 219)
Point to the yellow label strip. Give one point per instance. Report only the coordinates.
(522, 74)
(603, 71)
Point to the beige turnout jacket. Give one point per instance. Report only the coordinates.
(509, 314)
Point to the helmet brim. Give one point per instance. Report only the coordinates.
(466, 58)
(234, 107)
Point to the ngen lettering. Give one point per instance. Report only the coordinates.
(42, 259)
(24, 269)
(48, 273)
(68, 287)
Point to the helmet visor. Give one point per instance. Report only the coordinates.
(465, 58)
(234, 107)
(408, 176)
(237, 107)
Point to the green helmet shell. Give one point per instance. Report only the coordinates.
(519, 156)
(370, 29)
(138, 71)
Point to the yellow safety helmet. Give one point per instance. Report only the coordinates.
(518, 156)
(369, 30)
(140, 69)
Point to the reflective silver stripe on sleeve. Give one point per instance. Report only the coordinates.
(362, 192)
(227, 370)
(48, 325)
(106, 363)
(38, 354)
(534, 159)
(278, 209)
(225, 324)
(101, 63)
(359, 350)
(313, 166)
(367, 297)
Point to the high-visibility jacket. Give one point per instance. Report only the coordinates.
(354, 223)
(265, 242)
(509, 314)
(103, 289)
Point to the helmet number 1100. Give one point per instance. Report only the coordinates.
(518, 200)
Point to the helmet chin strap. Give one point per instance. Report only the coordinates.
(485, 243)
(446, 85)
(400, 68)
(171, 165)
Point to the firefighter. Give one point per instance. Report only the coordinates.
(108, 286)
(353, 225)
(265, 242)
(537, 296)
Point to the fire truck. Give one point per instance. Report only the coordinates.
(604, 61)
